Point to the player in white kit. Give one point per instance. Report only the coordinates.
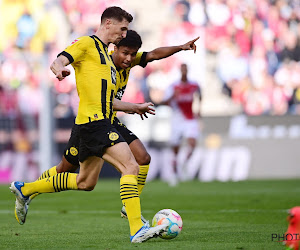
(185, 124)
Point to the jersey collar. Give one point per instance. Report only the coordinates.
(104, 45)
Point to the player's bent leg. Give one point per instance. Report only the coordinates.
(22, 191)
(63, 166)
(50, 172)
(56, 183)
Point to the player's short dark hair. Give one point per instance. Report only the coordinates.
(132, 40)
(116, 13)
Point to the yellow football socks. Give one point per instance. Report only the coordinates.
(50, 172)
(131, 200)
(56, 183)
(141, 179)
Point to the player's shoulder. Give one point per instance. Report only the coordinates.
(175, 84)
(194, 84)
(83, 39)
(140, 53)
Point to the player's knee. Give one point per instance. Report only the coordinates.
(144, 159)
(131, 169)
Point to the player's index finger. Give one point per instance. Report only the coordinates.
(196, 39)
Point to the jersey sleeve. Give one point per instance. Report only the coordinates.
(140, 59)
(169, 92)
(77, 49)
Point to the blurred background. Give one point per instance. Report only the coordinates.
(247, 65)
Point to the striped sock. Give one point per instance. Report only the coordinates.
(131, 200)
(56, 183)
(50, 172)
(141, 179)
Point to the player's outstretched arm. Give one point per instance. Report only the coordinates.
(59, 69)
(134, 108)
(163, 52)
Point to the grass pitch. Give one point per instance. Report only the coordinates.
(241, 215)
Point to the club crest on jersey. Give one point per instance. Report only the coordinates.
(76, 40)
(73, 151)
(113, 75)
(95, 116)
(113, 136)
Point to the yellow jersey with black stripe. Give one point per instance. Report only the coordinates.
(123, 75)
(95, 76)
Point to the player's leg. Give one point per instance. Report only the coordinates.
(89, 172)
(191, 144)
(122, 158)
(138, 150)
(175, 149)
(141, 156)
(69, 162)
(175, 141)
(63, 166)
(192, 134)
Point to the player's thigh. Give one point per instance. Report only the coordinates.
(120, 156)
(177, 130)
(89, 172)
(192, 129)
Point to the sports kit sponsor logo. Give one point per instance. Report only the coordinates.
(76, 40)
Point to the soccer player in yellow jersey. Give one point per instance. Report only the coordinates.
(125, 57)
(98, 138)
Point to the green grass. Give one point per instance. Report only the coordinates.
(216, 215)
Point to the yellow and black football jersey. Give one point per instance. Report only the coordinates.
(123, 75)
(95, 78)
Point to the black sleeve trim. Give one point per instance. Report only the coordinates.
(143, 62)
(67, 55)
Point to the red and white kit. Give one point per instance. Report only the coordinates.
(184, 122)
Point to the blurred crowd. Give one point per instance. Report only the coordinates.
(255, 44)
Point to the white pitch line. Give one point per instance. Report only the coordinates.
(149, 212)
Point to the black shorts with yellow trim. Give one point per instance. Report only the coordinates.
(95, 137)
(72, 149)
(124, 131)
